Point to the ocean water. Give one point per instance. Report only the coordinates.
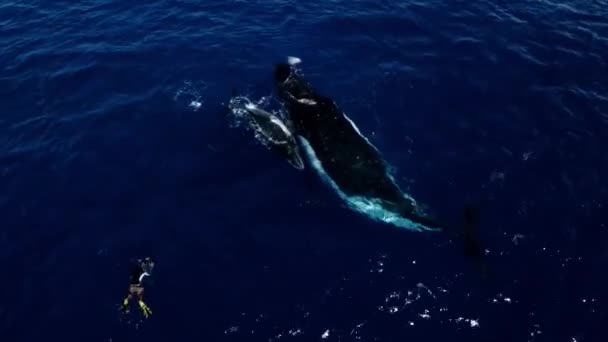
(115, 143)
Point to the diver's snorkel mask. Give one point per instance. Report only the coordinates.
(147, 265)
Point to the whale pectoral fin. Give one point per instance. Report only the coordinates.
(293, 155)
(296, 161)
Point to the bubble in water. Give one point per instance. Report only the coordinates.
(190, 94)
(196, 104)
(231, 330)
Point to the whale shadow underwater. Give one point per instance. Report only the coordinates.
(350, 164)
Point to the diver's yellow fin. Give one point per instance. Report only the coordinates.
(125, 305)
(145, 309)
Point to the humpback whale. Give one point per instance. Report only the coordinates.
(275, 131)
(344, 157)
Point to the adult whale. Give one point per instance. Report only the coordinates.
(345, 158)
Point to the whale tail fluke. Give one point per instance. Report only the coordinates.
(470, 235)
(467, 232)
(472, 245)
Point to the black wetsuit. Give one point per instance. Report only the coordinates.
(135, 274)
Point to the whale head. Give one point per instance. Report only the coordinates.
(291, 87)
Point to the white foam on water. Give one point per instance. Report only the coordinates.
(196, 104)
(190, 94)
(370, 207)
(291, 60)
(240, 116)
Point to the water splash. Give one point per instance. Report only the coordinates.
(239, 116)
(190, 95)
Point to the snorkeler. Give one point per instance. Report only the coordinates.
(142, 269)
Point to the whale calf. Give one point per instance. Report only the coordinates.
(276, 132)
(344, 157)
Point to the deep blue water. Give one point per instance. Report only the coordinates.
(103, 159)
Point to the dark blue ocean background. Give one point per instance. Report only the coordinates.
(115, 144)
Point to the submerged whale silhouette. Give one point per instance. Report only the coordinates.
(345, 158)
